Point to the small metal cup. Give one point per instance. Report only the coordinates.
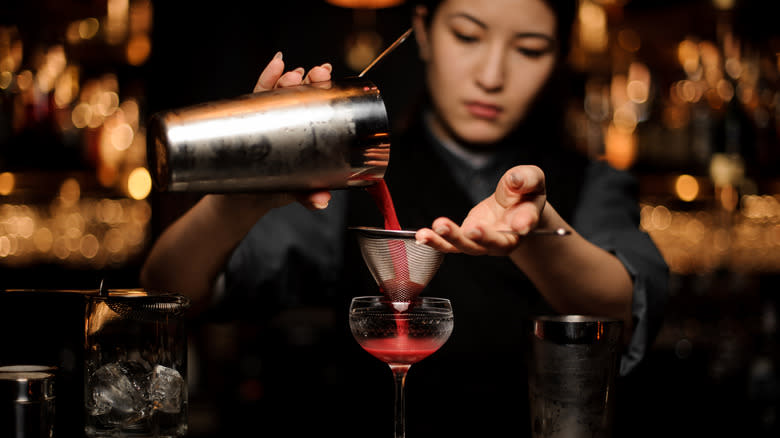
(572, 364)
(26, 402)
(327, 135)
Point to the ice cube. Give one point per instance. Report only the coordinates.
(116, 391)
(166, 389)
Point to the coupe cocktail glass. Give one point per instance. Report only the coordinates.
(400, 338)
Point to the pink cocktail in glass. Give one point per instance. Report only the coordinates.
(400, 338)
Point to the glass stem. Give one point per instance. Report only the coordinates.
(399, 375)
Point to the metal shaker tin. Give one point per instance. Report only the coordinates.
(27, 404)
(327, 135)
(573, 364)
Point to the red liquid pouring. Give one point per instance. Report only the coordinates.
(384, 202)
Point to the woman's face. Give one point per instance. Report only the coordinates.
(485, 61)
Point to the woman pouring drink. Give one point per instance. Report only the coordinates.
(485, 151)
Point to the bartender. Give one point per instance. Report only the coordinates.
(485, 150)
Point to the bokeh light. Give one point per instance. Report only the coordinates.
(7, 183)
(686, 187)
(139, 183)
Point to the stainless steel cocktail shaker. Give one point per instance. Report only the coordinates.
(573, 363)
(27, 403)
(327, 135)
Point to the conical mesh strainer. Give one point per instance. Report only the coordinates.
(401, 267)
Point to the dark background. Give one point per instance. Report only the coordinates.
(712, 371)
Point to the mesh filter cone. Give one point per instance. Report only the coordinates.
(401, 267)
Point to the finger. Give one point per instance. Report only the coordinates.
(270, 74)
(455, 236)
(495, 242)
(519, 181)
(315, 200)
(291, 78)
(320, 73)
(524, 218)
(426, 236)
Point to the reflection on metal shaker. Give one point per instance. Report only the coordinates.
(26, 403)
(572, 364)
(327, 135)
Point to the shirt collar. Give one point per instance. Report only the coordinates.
(474, 159)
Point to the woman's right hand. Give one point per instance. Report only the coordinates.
(190, 253)
(274, 76)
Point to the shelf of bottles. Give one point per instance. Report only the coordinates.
(73, 185)
(697, 118)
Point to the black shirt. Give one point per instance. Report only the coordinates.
(298, 262)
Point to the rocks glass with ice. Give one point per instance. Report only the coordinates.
(136, 365)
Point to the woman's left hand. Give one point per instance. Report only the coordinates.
(516, 205)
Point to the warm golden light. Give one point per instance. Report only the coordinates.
(43, 240)
(688, 91)
(661, 218)
(121, 136)
(593, 27)
(88, 28)
(138, 49)
(70, 191)
(637, 91)
(725, 90)
(688, 56)
(24, 80)
(726, 169)
(140, 16)
(638, 82)
(107, 102)
(66, 87)
(95, 232)
(116, 22)
(724, 5)
(6, 78)
(686, 187)
(106, 174)
(5, 246)
(7, 183)
(700, 242)
(130, 110)
(620, 147)
(89, 246)
(114, 241)
(81, 115)
(625, 118)
(365, 4)
(711, 60)
(729, 197)
(72, 32)
(733, 67)
(139, 183)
